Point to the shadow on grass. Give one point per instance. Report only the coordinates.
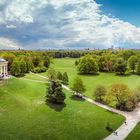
(56, 107)
(112, 112)
(124, 75)
(77, 98)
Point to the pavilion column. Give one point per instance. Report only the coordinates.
(4, 70)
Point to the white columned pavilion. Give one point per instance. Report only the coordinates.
(3, 68)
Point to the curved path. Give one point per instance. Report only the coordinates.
(132, 118)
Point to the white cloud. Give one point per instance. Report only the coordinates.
(6, 43)
(65, 22)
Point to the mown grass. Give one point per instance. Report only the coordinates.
(135, 134)
(25, 116)
(91, 81)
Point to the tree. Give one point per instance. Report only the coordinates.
(120, 66)
(100, 92)
(52, 74)
(65, 78)
(87, 65)
(121, 93)
(59, 76)
(132, 62)
(138, 67)
(76, 62)
(55, 92)
(15, 68)
(23, 66)
(78, 86)
(29, 64)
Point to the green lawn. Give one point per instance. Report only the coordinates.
(135, 134)
(67, 64)
(25, 116)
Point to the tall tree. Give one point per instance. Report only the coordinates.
(59, 76)
(23, 66)
(132, 61)
(138, 67)
(65, 78)
(15, 68)
(120, 66)
(78, 86)
(55, 92)
(52, 75)
(87, 65)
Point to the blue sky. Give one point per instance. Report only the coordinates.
(127, 10)
(69, 24)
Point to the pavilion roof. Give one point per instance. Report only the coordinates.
(2, 60)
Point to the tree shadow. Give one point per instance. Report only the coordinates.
(77, 98)
(56, 107)
(124, 75)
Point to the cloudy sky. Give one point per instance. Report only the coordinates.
(73, 24)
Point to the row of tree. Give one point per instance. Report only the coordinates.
(21, 62)
(124, 98)
(90, 64)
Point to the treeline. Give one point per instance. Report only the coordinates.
(21, 62)
(122, 62)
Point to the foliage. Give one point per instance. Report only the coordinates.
(132, 62)
(52, 75)
(65, 78)
(59, 76)
(99, 93)
(138, 67)
(55, 92)
(78, 86)
(120, 66)
(15, 68)
(87, 65)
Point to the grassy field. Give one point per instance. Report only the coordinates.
(25, 116)
(67, 64)
(135, 135)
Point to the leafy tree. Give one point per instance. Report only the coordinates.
(29, 64)
(121, 93)
(23, 66)
(59, 76)
(87, 65)
(138, 67)
(15, 68)
(78, 86)
(36, 61)
(52, 75)
(120, 66)
(55, 92)
(100, 92)
(132, 62)
(65, 78)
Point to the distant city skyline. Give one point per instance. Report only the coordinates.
(69, 24)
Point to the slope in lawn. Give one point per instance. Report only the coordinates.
(68, 65)
(25, 116)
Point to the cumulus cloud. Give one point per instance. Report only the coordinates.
(64, 24)
(8, 44)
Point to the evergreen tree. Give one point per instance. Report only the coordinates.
(78, 85)
(65, 78)
(55, 92)
(59, 76)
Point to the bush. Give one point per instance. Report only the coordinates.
(36, 70)
(99, 93)
(43, 69)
